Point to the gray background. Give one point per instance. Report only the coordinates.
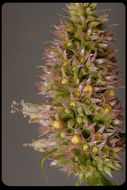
(25, 27)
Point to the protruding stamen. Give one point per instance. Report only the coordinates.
(14, 109)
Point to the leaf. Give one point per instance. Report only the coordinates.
(108, 171)
(86, 133)
(87, 156)
(103, 118)
(43, 159)
(95, 75)
(122, 135)
(82, 73)
(76, 152)
(39, 66)
(62, 91)
(121, 86)
(80, 179)
(67, 116)
(86, 110)
(98, 179)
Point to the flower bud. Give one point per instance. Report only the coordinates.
(57, 124)
(87, 38)
(62, 134)
(88, 89)
(85, 147)
(71, 122)
(76, 43)
(69, 44)
(79, 120)
(74, 68)
(72, 104)
(81, 59)
(105, 150)
(87, 101)
(80, 110)
(77, 94)
(76, 139)
(95, 149)
(64, 81)
(81, 115)
(66, 110)
(85, 119)
(110, 93)
(92, 109)
(98, 136)
(65, 63)
(107, 108)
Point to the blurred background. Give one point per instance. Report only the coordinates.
(25, 27)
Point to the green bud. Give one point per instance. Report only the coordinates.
(81, 114)
(79, 120)
(105, 150)
(65, 63)
(87, 101)
(74, 68)
(72, 104)
(86, 38)
(66, 110)
(85, 147)
(92, 109)
(98, 136)
(86, 68)
(82, 73)
(81, 59)
(81, 167)
(64, 81)
(76, 158)
(52, 85)
(85, 119)
(77, 94)
(111, 152)
(69, 44)
(95, 149)
(62, 134)
(94, 163)
(71, 122)
(89, 46)
(80, 110)
(76, 43)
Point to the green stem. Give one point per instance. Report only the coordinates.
(43, 159)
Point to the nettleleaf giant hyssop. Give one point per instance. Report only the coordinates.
(80, 121)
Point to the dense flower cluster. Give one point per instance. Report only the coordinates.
(82, 120)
